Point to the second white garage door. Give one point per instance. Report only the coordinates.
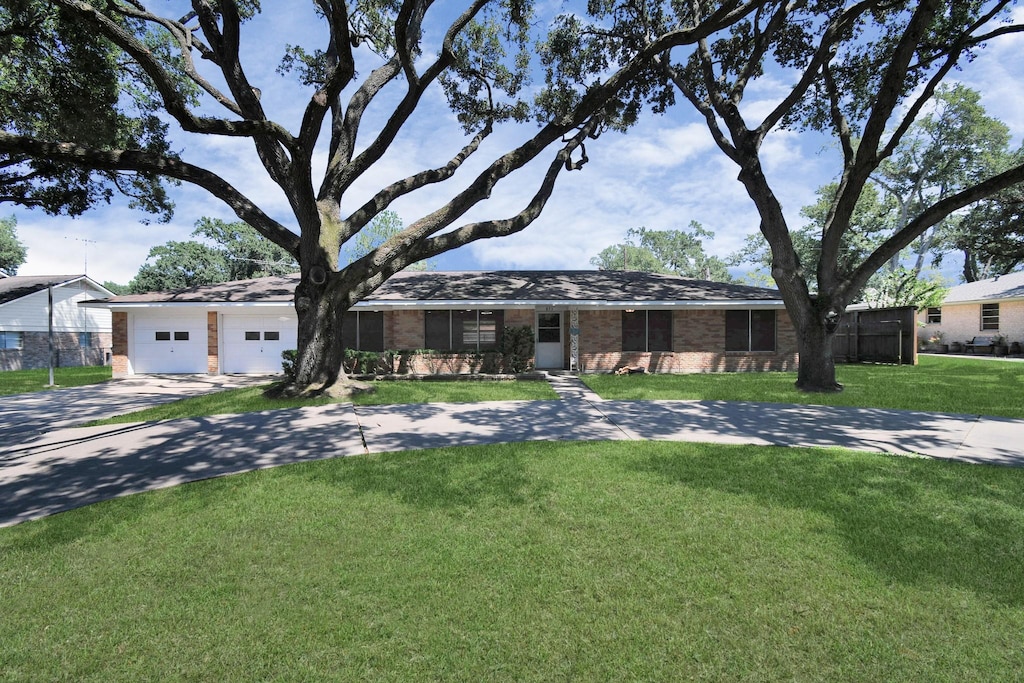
(252, 344)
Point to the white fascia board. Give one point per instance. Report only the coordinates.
(382, 305)
(211, 305)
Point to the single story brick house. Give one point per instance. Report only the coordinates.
(586, 321)
(986, 308)
(82, 336)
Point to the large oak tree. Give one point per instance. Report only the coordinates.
(188, 69)
(862, 72)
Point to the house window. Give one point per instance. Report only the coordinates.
(84, 339)
(647, 330)
(363, 330)
(10, 340)
(750, 330)
(549, 328)
(934, 315)
(471, 330)
(990, 316)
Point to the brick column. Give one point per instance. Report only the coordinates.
(212, 344)
(119, 343)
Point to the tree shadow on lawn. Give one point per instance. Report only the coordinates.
(448, 479)
(916, 522)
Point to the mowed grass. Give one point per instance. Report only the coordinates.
(533, 562)
(251, 399)
(24, 381)
(938, 384)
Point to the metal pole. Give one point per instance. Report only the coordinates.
(49, 296)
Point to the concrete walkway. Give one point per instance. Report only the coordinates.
(45, 473)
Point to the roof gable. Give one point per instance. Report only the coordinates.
(1009, 286)
(18, 286)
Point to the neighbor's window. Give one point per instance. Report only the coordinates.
(750, 330)
(647, 330)
(84, 339)
(363, 330)
(990, 316)
(934, 315)
(10, 340)
(470, 330)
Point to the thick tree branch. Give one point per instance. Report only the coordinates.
(174, 101)
(415, 242)
(386, 196)
(341, 175)
(145, 162)
(931, 216)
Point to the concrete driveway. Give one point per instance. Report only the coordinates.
(43, 411)
(45, 469)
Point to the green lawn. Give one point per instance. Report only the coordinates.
(251, 399)
(24, 381)
(538, 561)
(941, 384)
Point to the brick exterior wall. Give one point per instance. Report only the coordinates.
(35, 351)
(698, 345)
(119, 323)
(212, 344)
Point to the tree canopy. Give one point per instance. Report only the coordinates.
(225, 252)
(861, 72)
(12, 251)
(356, 58)
(675, 252)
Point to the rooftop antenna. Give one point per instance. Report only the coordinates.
(85, 265)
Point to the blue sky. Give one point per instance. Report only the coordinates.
(661, 175)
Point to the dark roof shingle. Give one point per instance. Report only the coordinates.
(496, 285)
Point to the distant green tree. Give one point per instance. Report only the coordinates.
(230, 251)
(179, 265)
(117, 289)
(247, 253)
(12, 251)
(384, 227)
(673, 252)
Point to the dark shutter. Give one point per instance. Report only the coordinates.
(634, 331)
(659, 330)
(737, 330)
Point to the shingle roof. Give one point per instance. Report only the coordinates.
(498, 285)
(1010, 286)
(17, 286)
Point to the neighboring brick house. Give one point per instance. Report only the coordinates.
(986, 308)
(587, 321)
(80, 336)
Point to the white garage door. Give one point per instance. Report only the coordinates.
(253, 344)
(170, 344)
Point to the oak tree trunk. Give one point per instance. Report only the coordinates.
(817, 370)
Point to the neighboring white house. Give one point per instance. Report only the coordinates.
(81, 335)
(986, 308)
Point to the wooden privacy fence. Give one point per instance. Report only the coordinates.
(879, 335)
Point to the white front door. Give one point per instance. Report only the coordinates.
(549, 341)
(253, 343)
